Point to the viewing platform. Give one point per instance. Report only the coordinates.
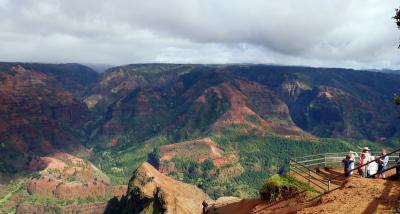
(325, 171)
(337, 194)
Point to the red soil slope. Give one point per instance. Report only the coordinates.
(197, 150)
(357, 195)
(66, 176)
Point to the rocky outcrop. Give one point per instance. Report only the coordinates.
(94, 208)
(75, 190)
(292, 89)
(66, 190)
(42, 186)
(65, 176)
(152, 192)
(64, 166)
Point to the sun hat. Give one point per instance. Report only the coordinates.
(366, 148)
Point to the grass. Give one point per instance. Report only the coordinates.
(273, 187)
(11, 188)
(299, 184)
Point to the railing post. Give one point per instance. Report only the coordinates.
(365, 172)
(309, 177)
(324, 160)
(329, 185)
(290, 167)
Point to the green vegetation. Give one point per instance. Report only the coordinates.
(35, 175)
(271, 188)
(119, 164)
(303, 186)
(208, 177)
(277, 187)
(16, 187)
(260, 157)
(55, 202)
(144, 107)
(11, 188)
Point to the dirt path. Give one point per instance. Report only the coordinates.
(356, 195)
(359, 195)
(241, 207)
(257, 206)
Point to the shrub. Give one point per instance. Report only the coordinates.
(276, 188)
(35, 175)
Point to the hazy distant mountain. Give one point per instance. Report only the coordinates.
(99, 67)
(390, 71)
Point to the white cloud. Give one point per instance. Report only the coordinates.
(339, 33)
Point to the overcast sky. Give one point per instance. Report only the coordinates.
(335, 33)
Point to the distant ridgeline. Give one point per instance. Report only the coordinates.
(224, 128)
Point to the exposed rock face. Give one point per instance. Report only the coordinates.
(191, 103)
(94, 208)
(257, 107)
(291, 89)
(65, 176)
(196, 150)
(62, 166)
(39, 113)
(117, 190)
(152, 192)
(76, 190)
(42, 186)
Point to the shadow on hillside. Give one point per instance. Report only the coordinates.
(290, 204)
(330, 174)
(382, 199)
(115, 205)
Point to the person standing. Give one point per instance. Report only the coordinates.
(348, 164)
(364, 158)
(382, 163)
(354, 155)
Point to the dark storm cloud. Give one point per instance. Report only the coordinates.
(347, 33)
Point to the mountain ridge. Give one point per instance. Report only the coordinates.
(244, 121)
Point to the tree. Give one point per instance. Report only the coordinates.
(397, 99)
(397, 18)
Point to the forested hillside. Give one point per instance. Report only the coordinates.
(224, 128)
(227, 127)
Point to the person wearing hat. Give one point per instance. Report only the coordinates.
(364, 158)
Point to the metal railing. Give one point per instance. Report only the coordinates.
(308, 174)
(307, 167)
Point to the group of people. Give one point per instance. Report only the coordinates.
(366, 165)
